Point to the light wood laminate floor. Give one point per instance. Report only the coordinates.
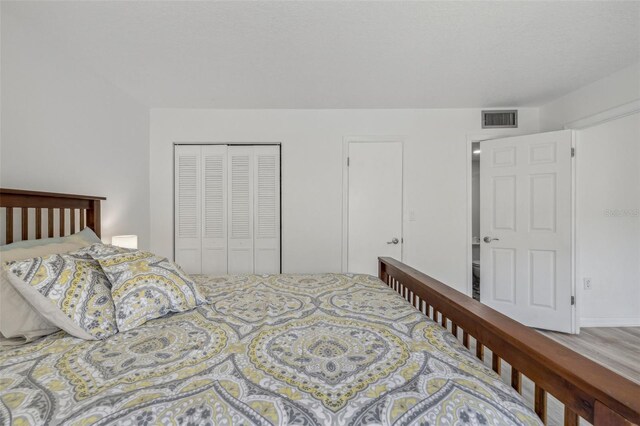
(617, 348)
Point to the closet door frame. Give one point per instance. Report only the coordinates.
(230, 144)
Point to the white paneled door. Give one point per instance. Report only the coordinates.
(374, 209)
(227, 209)
(526, 228)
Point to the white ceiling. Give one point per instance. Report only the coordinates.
(342, 54)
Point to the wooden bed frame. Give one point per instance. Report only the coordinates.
(586, 388)
(83, 207)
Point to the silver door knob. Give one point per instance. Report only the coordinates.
(394, 241)
(489, 239)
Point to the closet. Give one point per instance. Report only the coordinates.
(227, 208)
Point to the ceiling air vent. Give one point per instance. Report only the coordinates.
(499, 119)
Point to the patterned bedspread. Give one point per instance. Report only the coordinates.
(290, 349)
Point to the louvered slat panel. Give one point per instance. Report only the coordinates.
(266, 197)
(240, 197)
(187, 196)
(213, 196)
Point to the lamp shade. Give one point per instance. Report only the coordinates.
(126, 241)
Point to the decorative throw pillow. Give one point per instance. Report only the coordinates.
(19, 322)
(96, 251)
(145, 286)
(71, 292)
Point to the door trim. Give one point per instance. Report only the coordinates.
(345, 190)
(488, 135)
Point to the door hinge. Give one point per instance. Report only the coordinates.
(573, 300)
(573, 152)
(348, 161)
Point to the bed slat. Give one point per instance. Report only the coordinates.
(570, 418)
(82, 213)
(61, 234)
(540, 403)
(72, 221)
(465, 339)
(9, 226)
(606, 416)
(50, 222)
(25, 223)
(516, 380)
(479, 350)
(38, 223)
(495, 363)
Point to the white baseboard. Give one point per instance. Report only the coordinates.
(610, 322)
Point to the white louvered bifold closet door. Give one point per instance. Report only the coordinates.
(266, 209)
(240, 210)
(187, 201)
(227, 209)
(214, 209)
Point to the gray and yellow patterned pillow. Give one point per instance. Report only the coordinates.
(71, 292)
(145, 286)
(96, 251)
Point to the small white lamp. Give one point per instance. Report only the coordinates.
(126, 241)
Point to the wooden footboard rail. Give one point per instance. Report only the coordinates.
(586, 388)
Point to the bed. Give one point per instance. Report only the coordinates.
(299, 349)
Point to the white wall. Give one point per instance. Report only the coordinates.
(435, 169)
(64, 129)
(608, 178)
(608, 222)
(617, 89)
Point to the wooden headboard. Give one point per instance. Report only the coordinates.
(65, 213)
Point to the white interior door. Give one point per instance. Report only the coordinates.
(374, 204)
(526, 228)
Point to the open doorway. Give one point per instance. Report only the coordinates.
(475, 219)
